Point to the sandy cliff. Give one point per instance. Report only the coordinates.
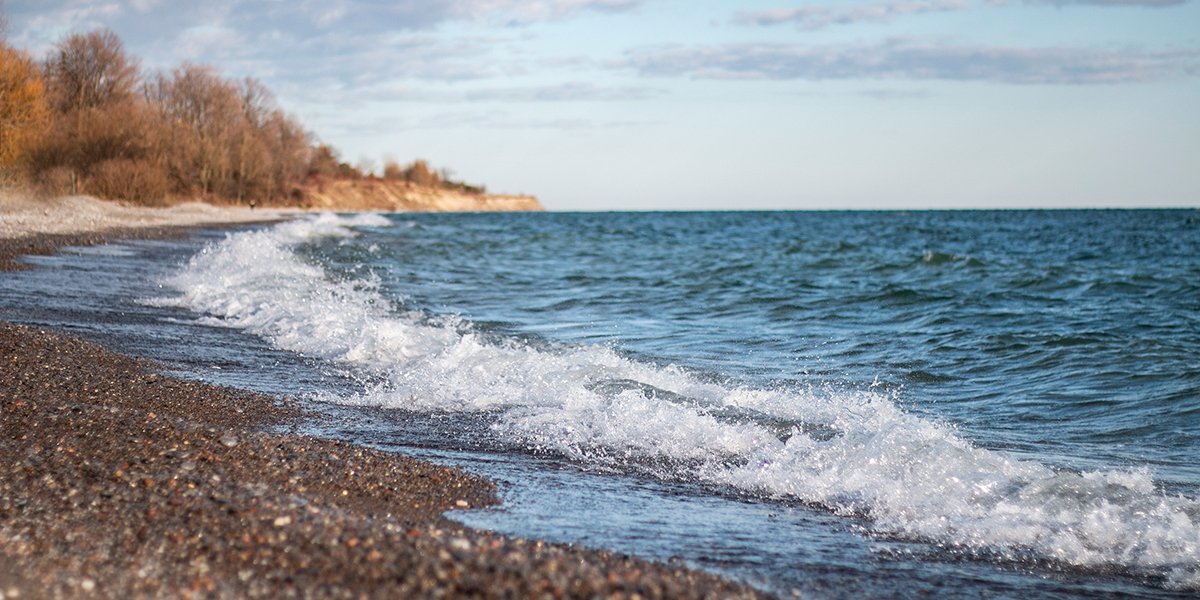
(398, 196)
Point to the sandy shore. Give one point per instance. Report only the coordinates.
(122, 482)
(40, 226)
(22, 215)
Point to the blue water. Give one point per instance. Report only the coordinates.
(838, 404)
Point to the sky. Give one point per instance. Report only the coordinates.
(710, 105)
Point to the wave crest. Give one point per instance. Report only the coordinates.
(856, 453)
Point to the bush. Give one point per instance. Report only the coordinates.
(55, 181)
(138, 181)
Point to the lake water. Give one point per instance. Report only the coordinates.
(968, 404)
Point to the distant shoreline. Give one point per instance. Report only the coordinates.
(39, 226)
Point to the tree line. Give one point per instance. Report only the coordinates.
(86, 120)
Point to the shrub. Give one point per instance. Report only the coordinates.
(55, 181)
(138, 181)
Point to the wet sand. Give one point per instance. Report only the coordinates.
(33, 226)
(13, 248)
(122, 482)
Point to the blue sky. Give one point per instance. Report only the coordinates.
(665, 104)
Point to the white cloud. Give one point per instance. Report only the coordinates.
(566, 92)
(909, 59)
(1145, 3)
(143, 6)
(819, 17)
(521, 11)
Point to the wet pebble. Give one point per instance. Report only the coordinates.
(176, 490)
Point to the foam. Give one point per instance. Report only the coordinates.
(854, 452)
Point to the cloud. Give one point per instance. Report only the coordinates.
(505, 120)
(43, 20)
(36, 29)
(311, 40)
(820, 17)
(1146, 3)
(886, 94)
(524, 11)
(909, 59)
(396, 91)
(566, 92)
(815, 16)
(339, 124)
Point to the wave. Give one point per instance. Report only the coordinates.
(856, 453)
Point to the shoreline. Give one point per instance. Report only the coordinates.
(30, 226)
(128, 482)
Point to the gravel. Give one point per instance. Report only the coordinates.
(122, 482)
(12, 248)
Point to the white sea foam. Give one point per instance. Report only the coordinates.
(856, 453)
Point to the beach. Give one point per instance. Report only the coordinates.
(735, 400)
(125, 482)
(30, 225)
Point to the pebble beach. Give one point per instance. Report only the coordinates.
(123, 482)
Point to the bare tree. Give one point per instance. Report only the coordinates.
(205, 111)
(228, 138)
(290, 148)
(88, 70)
(258, 103)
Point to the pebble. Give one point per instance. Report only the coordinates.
(181, 512)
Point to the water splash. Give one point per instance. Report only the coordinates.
(855, 452)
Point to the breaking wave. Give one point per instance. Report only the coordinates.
(856, 453)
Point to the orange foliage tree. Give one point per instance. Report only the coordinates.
(88, 121)
(23, 108)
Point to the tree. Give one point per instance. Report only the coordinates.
(205, 114)
(23, 110)
(419, 173)
(91, 83)
(290, 148)
(89, 70)
(392, 171)
(324, 161)
(226, 138)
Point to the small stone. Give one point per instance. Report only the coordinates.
(88, 584)
(12, 592)
(460, 544)
(229, 440)
(461, 504)
(283, 521)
